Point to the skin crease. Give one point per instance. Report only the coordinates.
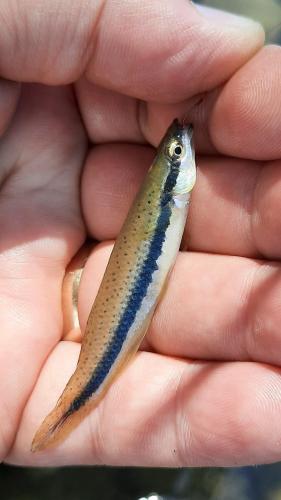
(205, 389)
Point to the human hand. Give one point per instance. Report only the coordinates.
(205, 389)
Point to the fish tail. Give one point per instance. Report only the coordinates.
(50, 431)
(66, 415)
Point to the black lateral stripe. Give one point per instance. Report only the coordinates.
(140, 288)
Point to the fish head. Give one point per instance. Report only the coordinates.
(178, 150)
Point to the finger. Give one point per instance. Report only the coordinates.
(235, 203)
(241, 118)
(109, 116)
(164, 53)
(240, 299)
(208, 414)
(114, 185)
(74, 335)
(113, 117)
(98, 38)
(246, 117)
(70, 288)
(41, 228)
(235, 207)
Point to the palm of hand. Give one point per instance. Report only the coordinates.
(221, 306)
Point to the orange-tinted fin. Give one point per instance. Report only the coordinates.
(58, 425)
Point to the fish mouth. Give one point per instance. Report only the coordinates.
(179, 130)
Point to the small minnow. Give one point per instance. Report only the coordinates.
(140, 262)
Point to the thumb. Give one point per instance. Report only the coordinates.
(154, 49)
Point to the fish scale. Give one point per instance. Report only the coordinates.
(140, 262)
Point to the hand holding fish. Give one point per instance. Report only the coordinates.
(75, 146)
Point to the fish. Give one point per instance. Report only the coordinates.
(134, 280)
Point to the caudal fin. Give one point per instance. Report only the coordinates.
(62, 420)
(53, 428)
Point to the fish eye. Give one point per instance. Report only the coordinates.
(176, 150)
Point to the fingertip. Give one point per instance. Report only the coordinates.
(245, 121)
(169, 51)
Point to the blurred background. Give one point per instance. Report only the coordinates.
(99, 483)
